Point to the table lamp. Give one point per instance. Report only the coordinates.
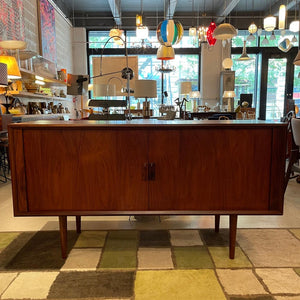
(185, 89)
(195, 95)
(145, 89)
(229, 95)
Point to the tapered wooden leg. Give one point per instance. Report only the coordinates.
(78, 224)
(217, 223)
(232, 235)
(63, 235)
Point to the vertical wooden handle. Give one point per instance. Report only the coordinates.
(152, 171)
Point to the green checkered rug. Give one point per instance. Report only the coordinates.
(151, 264)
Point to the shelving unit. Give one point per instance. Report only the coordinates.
(26, 74)
(37, 95)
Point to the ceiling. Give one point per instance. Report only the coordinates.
(104, 14)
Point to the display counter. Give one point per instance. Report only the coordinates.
(146, 167)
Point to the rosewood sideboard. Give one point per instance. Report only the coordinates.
(146, 167)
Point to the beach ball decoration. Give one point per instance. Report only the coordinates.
(169, 32)
(209, 34)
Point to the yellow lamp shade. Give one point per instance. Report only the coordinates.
(229, 94)
(13, 71)
(165, 53)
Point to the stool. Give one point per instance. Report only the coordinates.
(4, 160)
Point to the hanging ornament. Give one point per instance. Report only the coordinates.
(209, 34)
(169, 32)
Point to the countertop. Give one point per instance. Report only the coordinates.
(147, 123)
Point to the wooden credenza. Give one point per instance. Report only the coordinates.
(147, 167)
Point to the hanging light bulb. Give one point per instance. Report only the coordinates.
(294, 26)
(250, 37)
(252, 28)
(282, 15)
(272, 37)
(269, 23)
(265, 41)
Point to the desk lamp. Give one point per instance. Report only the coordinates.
(185, 89)
(195, 95)
(145, 89)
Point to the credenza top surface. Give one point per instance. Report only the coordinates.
(148, 123)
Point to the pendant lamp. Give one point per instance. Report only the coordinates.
(209, 34)
(165, 53)
(169, 32)
(272, 37)
(294, 26)
(224, 31)
(244, 55)
(269, 23)
(281, 17)
(252, 28)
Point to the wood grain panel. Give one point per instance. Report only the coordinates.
(277, 187)
(85, 169)
(211, 169)
(17, 165)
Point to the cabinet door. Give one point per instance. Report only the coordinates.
(85, 170)
(210, 169)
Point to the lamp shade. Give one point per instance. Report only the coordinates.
(185, 87)
(142, 32)
(195, 94)
(252, 28)
(103, 90)
(209, 34)
(269, 23)
(145, 88)
(228, 94)
(294, 26)
(13, 71)
(282, 16)
(297, 59)
(224, 31)
(192, 31)
(165, 53)
(244, 55)
(227, 63)
(3, 75)
(13, 44)
(169, 32)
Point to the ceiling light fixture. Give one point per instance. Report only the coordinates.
(282, 16)
(244, 55)
(269, 23)
(224, 31)
(209, 34)
(142, 32)
(252, 28)
(272, 37)
(294, 26)
(202, 34)
(265, 41)
(250, 37)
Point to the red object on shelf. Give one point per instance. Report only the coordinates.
(209, 34)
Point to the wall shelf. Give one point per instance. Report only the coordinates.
(29, 75)
(24, 94)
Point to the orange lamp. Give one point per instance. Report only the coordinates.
(13, 71)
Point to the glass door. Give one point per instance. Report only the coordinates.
(276, 81)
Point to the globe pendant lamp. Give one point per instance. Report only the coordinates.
(224, 31)
(165, 52)
(169, 32)
(209, 34)
(269, 23)
(252, 28)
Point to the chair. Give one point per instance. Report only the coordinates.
(296, 137)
